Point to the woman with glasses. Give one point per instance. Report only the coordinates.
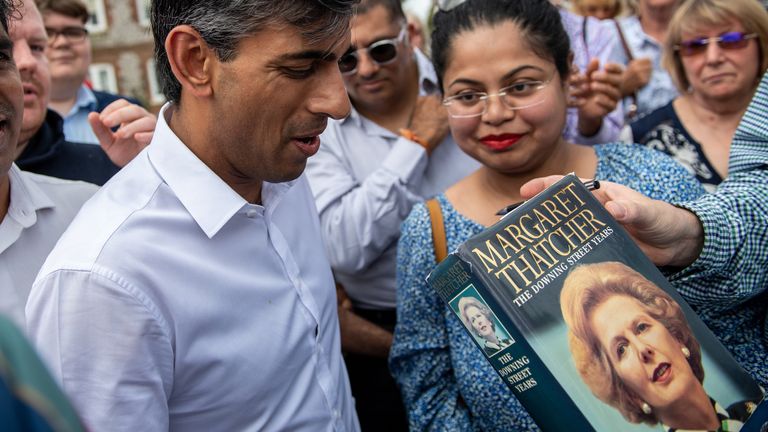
(503, 67)
(716, 53)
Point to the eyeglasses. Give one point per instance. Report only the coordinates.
(728, 41)
(381, 52)
(447, 5)
(518, 96)
(72, 34)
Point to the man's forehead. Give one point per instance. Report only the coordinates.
(29, 24)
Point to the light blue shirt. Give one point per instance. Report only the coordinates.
(660, 90)
(171, 303)
(365, 180)
(76, 126)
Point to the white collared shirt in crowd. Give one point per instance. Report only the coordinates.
(365, 179)
(40, 210)
(171, 303)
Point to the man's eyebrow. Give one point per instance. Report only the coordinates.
(308, 55)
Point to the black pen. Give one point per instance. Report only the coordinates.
(591, 185)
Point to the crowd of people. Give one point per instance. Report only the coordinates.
(254, 256)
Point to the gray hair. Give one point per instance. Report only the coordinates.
(224, 24)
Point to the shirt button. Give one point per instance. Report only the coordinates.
(336, 414)
(251, 213)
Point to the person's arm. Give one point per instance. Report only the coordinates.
(135, 127)
(358, 335)
(731, 266)
(107, 347)
(420, 360)
(360, 218)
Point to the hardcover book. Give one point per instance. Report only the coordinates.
(585, 330)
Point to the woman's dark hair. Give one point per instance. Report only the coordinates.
(538, 20)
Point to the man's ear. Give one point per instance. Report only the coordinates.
(191, 60)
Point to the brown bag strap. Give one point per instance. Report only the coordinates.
(438, 229)
(633, 97)
(623, 40)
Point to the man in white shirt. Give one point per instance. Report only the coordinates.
(190, 293)
(34, 209)
(391, 152)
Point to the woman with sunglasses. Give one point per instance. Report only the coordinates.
(716, 53)
(503, 67)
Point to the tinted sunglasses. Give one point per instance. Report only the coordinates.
(727, 41)
(381, 52)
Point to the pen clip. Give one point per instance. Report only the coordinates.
(590, 185)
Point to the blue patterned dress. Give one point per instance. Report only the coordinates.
(447, 383)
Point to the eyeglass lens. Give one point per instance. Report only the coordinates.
(381, 52)
(730, 40)
(70, 33)
(515, 97)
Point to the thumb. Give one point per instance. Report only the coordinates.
(593, 66)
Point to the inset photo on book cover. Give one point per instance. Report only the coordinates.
(633, 347)
(481, 322)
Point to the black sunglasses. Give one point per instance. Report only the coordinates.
(382, 52)
(727, 41)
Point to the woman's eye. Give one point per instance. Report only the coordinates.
(467, 98)
(641, 327)
(620, 350)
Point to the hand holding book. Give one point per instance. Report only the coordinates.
(668, 235)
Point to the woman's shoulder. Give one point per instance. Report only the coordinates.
(646, 170)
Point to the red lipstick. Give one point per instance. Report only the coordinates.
(500, 142)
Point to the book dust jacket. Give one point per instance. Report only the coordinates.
(585, 330)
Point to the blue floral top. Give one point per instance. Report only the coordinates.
(446, 382)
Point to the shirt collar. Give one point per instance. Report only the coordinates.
(85, 100)
(209, 200)
(26, 198)
(427, 84)
(633, 22)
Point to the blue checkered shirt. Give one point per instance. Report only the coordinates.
(727, 283)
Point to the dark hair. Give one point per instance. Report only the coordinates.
(8, 9)
(223, 24)
(538, 20)
(394, 7)
(70, 8)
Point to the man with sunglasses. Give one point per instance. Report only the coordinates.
(391, 152)
(69, 56)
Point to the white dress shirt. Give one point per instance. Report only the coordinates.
(365, 180)
(171, 303)
(41, 208)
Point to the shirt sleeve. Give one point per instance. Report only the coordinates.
(360, 218)
(420, 359)
(107, 346)
(731, 266)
